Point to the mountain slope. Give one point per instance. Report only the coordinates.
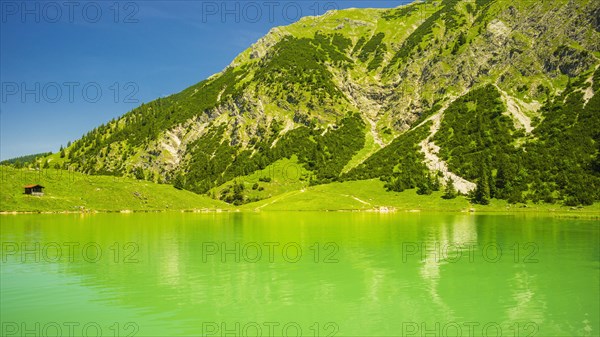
(495, 94)
(76, 192)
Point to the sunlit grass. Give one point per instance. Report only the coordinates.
(73, 191)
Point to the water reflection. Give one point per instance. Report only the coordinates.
(372, 289)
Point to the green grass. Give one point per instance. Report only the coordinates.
(368, 195)
(357, 195)
(72, 191)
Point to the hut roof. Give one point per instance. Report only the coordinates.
(32, 186)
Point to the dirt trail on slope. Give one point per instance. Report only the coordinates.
(357, 199)
(277, 198)
(435, 163)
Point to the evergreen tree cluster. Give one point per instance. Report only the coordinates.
(375, 49)
(559, 161)
(400, 164)
(447, 11)
(23, 161)
(562, 161)
(213, 161)
(297, 67)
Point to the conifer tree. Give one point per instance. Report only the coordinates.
(450, 191)
(482, 191)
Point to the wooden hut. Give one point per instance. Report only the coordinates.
(37, 190)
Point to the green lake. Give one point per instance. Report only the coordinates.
(308, 274)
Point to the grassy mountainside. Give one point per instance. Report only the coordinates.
(76, 192)
(499, 97)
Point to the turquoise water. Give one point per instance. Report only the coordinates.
(309, 274)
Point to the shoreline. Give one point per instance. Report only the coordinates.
(566, 213)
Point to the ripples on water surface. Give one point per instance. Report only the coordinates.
(342, 274)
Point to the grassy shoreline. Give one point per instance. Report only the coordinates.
(563, 213)
(76, 193)
(558, 214)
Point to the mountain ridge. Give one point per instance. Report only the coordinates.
(338, 90)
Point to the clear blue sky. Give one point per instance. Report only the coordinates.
(67, 67)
